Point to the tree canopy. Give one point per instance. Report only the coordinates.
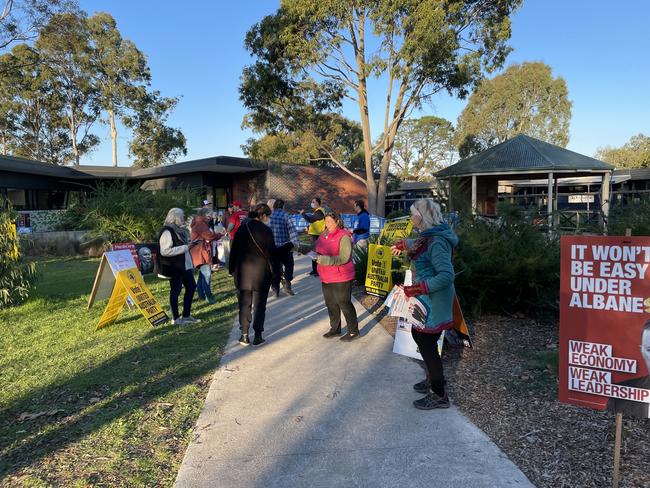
(309, 56)
(78, 72)
(635, 153)
(524, 99)
(422, 147)
(342, 137)
(21, 20)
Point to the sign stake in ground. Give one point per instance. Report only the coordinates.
(617, 450)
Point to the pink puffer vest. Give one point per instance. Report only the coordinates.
(328, 245)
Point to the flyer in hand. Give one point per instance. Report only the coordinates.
(409, 308)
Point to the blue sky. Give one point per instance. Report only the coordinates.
(195, 51)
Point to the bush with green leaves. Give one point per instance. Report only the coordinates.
(120, 212)
(507, 265)
(16, 276)
(634, 216)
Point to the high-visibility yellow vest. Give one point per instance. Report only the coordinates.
(317, 228)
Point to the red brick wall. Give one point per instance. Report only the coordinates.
(297, 185)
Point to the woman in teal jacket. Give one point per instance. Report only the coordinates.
(430, 257)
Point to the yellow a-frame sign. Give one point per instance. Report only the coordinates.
(123, 282)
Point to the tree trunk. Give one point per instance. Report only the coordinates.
(359, 47)
(111, 118)
(73, 138)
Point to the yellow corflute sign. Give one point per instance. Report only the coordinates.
(114, 306)
(129, 283)
(397, 229)
(132, 280)
(379, 280)
(12, 230)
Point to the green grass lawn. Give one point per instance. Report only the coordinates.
(113, 407)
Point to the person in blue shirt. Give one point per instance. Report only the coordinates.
(286, 238)
(361, 232)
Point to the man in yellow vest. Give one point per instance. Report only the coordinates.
(316, 226)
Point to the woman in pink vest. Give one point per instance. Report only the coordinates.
(336, 272)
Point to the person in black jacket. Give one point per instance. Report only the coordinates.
(176, 265)
(250, 266)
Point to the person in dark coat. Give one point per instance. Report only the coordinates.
(250, 266)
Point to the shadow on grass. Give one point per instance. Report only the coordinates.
(68, 410)
(169, 359)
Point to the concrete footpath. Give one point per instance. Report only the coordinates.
(304, 411)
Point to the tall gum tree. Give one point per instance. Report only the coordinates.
(121, 71)
(526, 99)
(64, 46)
(314, 54)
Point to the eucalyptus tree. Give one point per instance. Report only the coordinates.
(309, 56)
(120, 71)
(523, 99)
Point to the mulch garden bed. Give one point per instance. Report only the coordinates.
(507, 385)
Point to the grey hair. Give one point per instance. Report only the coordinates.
(204, 212)
(430, 211)
(176, 217)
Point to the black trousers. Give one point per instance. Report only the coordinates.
(428, 346)
(252, 309)
(314, 264)
(283, 265)
(338, 298)
(176, 284)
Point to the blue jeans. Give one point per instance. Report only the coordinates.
(203, 288)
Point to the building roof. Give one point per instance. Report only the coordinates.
(20, 165)
(218, 164)
(524, 154)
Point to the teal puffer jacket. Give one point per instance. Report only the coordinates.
(432, 265)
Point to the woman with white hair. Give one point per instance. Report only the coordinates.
(430, 257)
(176, 264)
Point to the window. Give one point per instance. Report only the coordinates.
(17, 198)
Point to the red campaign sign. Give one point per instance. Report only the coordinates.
(604, 308)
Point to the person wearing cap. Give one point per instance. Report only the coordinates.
(316, 222)
(237, 217)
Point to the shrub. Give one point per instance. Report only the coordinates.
(120, 212)
(16, 277)
(634, 216)
(507, 265)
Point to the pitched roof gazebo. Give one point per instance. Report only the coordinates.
(521, 158)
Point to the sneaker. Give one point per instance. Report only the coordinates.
(313, 273)
(191, 320)
(179, 321)
(432, 401)
(212, 300)
(422, 387)
(332, 333)
(258, 340)
(275, 291)
(244, 340)
(286, 286)
(350, 337)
